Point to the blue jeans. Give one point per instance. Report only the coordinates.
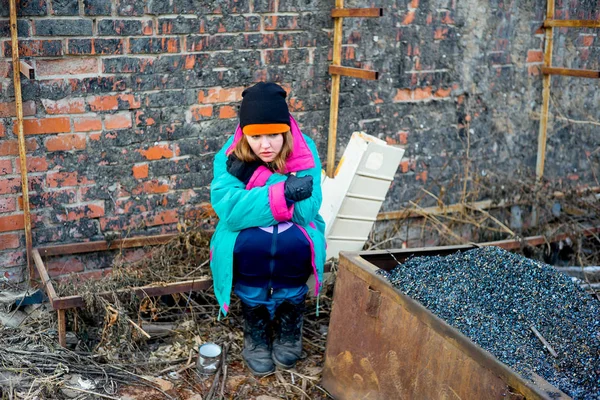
(255, 296)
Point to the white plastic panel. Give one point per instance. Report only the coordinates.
(351, 228)
(352, 200)
(369, 186)
(377, 161)
(354, 206)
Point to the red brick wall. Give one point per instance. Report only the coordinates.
(132, 99)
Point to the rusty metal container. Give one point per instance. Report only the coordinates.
(383, 344)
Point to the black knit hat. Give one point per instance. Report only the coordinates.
(264, 109)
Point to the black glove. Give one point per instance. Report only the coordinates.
(241, 169)
(297, 189)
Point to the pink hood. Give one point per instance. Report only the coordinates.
(301, 157)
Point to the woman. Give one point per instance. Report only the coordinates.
(270, 237)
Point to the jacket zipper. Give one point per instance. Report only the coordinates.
(272, 262)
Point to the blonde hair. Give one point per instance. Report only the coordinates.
(243, 151)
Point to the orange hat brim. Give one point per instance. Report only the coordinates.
(265, 129)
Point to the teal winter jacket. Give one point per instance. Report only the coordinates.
(262, 203)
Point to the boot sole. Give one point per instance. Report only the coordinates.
(256, 373)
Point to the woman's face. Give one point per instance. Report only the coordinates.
(267, 146)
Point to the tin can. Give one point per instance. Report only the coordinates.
(209, 358)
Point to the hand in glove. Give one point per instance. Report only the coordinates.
(297, 189)
(241, 169)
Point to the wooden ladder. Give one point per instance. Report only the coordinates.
(548, 70)
(336, 70)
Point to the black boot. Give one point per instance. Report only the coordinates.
(257, 346)
(287, 346)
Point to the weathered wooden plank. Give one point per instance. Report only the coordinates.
(142, 291)
(572, 23)
(46, 282)
(543, 131)
(62, 327)
(335, 92)
(459, 207)
(88, 247)
(27, 70)
(357, 12)
(353, 72)
(579, 73)
(21, 135)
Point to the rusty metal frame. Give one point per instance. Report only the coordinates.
(361, 265)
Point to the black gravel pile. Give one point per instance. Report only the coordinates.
(494, 297)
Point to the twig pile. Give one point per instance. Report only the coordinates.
(183, 258)
(517, 208)
(33, 365)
